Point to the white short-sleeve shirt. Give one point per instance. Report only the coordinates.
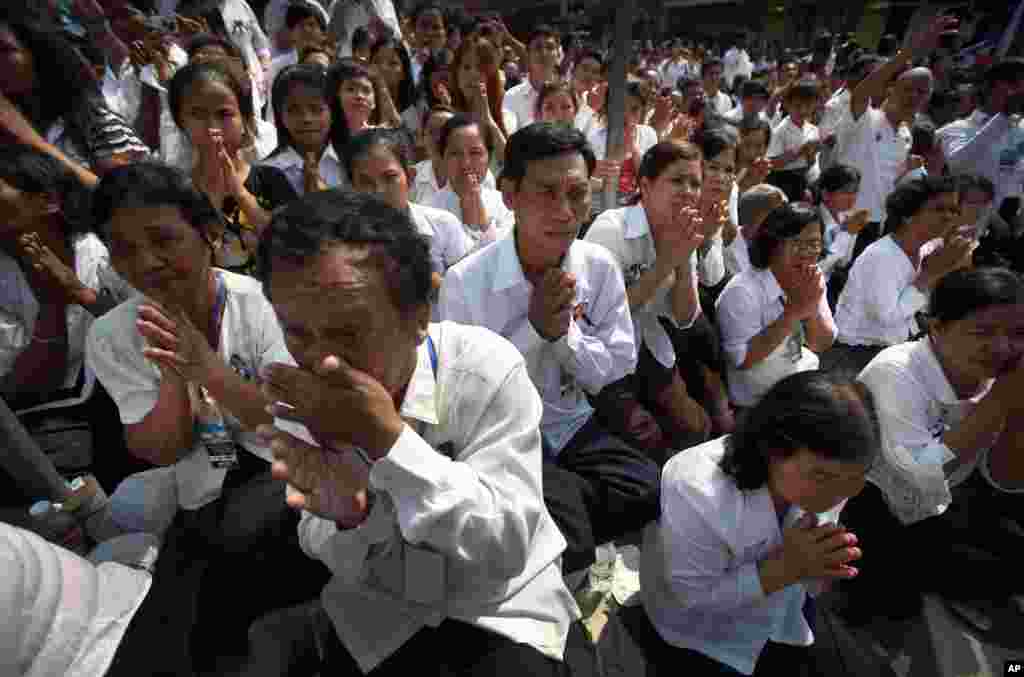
(332, 171)
(880, 152)
(250, 339)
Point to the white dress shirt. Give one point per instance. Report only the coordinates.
(19, 310)
(737, 254)
(500, 218)
(838, 242)
(750, 302)
(489, 289)
(987, 145)
(64, 615)
(644, 137)
(699, 564)
(332, 171)
(626, 233)
(917, 406)
(425, 186)
(787, 137)
(448, 240)
(880, 152)
(521, 101)
(459, 528)
(250, 339)
(879, 302)
(736, 62)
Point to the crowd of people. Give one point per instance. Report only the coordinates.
(325, 349)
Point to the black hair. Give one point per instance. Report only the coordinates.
(406, 88)
(307, 227)
(360, 38)
(968, 182)
(755, 124)
(439, 60)
(428, 6)
(310, 50)
(837, 177)
(660, 157)
(716, 140)
(298, 12)
(888, 45)
(65, 85)
(341, 72)
(540, 141)
(593, 55)
(910, 196)
(754, 88)
(782, 224)
(460, 121)
(306, 76)
(686, 81)
(33, 172)
(1005, 70)
(968, 290)
(923, 137)
(396, 141)
(223, 71)
(543, 31)
(152, 184)
(203, 40)
(825, 412)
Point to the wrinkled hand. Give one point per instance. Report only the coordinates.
(810, 552)
(804, 291)
(551, 304)
(715, 214)
(480, 101)
(330, 483)
(340, 405)
(607, 170)
(955, 253)
(686, 235)
(467, 186)
(175, 344)
(233, 181)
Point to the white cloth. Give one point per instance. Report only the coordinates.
(987, 145)
(459, 529)
(521, 101)
(671, 71)
(737, 254)
(644, 137)
(787, 137)
(721, 103)
(19, 309)
(63, 615)
(878, 303)
(332, 171)
(500, 218)
(250, 339)
(425, 185)
(347, 16)
(751, 302)
(626, 233)
(247, 35)
(736, 62)
(871, 145)
(448, 240)
(489, 289)
(916, 406)
(838, 242)
(699, 563)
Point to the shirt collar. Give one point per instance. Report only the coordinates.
(289, 157)
(509, 270)
(636, 223)
(420, 402)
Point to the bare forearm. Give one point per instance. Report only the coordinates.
(167, 433)
(257, 215)
(821, 332)
(765, 343)
(975, 432)
(243, 399)
(684, 295)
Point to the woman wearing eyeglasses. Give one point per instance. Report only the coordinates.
(774, 318)
(891, 281)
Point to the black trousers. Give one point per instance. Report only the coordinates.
(598, 489)
(202, 599)
(976, 542)
(301, 641)
(666, 660)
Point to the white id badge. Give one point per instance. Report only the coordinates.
(424, 575)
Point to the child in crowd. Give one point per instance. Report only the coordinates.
(794, 144)
(305, 154)
(211, 105)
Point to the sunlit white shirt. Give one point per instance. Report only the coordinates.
(500, 218)
(489, 289)
(871, 145)
(987, 145)
(332, 171)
